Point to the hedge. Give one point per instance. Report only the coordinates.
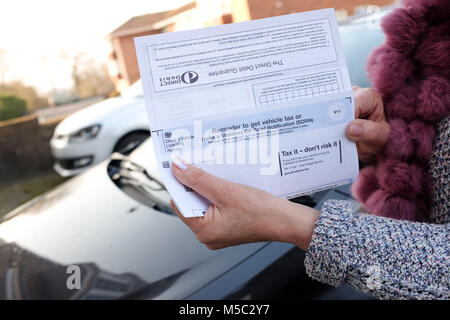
(11, 107)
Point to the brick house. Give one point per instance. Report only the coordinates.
(122, 63)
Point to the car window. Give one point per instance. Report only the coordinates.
(358, 42)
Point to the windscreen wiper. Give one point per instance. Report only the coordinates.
(138, 183)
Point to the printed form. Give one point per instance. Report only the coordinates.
(263, 103)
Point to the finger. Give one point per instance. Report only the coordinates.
(207, 185)
(369, 132)
(368, 104)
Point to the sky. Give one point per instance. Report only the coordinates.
(36, 34)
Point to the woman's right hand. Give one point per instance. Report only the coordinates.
(242, 214)
(369, 130)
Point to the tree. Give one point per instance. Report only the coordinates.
(77, 64)
(89, 77)
(94, 81)
(11, 107)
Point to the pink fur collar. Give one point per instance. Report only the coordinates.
(411, 70)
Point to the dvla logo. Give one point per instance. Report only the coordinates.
(189, 77)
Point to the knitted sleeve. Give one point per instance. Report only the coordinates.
(386, 258)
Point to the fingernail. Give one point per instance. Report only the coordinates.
(179, 163)
(356, 130)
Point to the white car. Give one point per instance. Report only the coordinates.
(90, 135)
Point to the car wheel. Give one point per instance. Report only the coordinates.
(129, 142)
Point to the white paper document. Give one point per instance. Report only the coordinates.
(263, 103)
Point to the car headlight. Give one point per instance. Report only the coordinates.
(85, 134)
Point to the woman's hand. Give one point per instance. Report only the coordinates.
(242, 214)
(370, 130)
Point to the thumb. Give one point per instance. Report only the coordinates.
(207, 185)
(368, 132)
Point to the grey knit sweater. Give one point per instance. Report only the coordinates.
(387, 258)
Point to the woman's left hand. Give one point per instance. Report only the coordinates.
(242, 214)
